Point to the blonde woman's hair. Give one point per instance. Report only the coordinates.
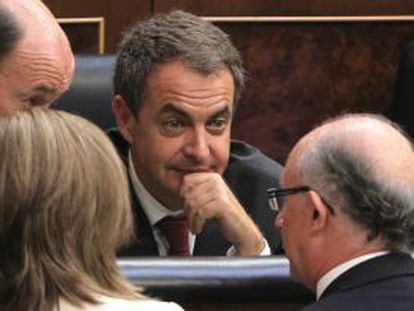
(64, 209)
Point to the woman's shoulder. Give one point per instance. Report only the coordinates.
(112, 303)
(144, 304)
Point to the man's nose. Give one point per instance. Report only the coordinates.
(197, 145)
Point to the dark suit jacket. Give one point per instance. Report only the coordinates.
(382, 283)
(248, 174)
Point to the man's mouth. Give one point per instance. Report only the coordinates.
(192, 170)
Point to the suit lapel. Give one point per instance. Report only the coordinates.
(210, 241)
(373, 270)
(144, 244)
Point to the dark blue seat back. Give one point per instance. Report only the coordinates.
(91, 92)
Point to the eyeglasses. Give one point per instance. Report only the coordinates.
(275, 197)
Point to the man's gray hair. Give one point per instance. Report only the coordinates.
(349, 182)
(178, 35)
(10, 32)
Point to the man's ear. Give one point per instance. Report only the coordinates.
(124, 117)
(320, 212)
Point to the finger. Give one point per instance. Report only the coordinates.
(209, 185)
(192, 216)
(198, 224)
(202, 198)
(194, 180)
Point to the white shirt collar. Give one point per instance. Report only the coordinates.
(154, 210)
(334, 273)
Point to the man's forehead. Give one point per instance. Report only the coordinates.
(164, 71)
(282, 178)
(181, 110)
(174, 84)
(287, 177)
(289, 173)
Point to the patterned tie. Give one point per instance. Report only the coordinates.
(175, 231)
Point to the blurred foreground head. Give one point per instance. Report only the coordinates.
(64, 209)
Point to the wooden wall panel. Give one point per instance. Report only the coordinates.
(302, 73)
(299, 73)
(86, 35)
(287, 7)
(118, 14)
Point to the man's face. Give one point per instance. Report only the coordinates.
(40, 67)
(182, 127)
(291, 222)
(29, 79)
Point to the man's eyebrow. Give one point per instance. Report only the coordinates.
(170, 108)
(40, 90)
(45, 90)
(225, 112)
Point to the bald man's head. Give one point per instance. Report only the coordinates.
(37, 67)
(375, 142)
(365, 166)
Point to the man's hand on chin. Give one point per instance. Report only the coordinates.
(207, 196)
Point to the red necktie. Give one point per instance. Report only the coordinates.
(175, 231)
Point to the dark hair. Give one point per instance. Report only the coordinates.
(10, 32)
(167, 37)
(349, 180)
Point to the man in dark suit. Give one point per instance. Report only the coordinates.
(36, 61)
(347, 221)
(177, 81)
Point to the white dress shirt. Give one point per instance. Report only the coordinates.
(334, 273)
(155, 211)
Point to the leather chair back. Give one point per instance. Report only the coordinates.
(91, 90)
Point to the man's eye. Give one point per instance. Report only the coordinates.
(173, 126)
(217, 125)
(37, 101)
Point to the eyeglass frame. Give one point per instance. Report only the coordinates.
(274, 193)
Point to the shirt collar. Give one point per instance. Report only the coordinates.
(334, 273)
(154, 210)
